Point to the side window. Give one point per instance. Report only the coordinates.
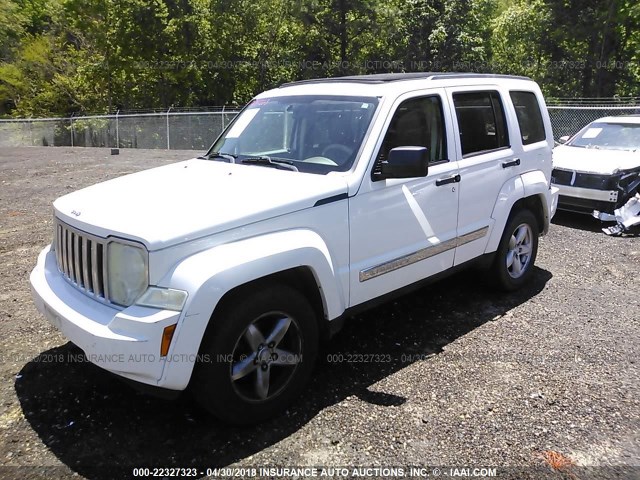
(529, 117)
(481, 122)
(417, 122)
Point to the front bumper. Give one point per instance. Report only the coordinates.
(586, 200)
(585, 192)
(125, 342)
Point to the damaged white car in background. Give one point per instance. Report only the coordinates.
(598, 171)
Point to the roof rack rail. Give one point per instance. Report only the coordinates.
(397, 77)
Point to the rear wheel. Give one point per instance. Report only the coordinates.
(516, 254)
(257, 354)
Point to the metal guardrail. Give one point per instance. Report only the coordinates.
(196, 130)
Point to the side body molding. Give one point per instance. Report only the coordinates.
(210, 274)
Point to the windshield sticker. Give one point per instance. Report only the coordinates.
(242, 122)
(592, 133)
(260, 101)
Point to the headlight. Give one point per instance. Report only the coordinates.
(127, 271)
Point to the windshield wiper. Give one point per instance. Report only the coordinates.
(227, 156)
(264, 160)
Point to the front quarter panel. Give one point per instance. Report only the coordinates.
(209, 275)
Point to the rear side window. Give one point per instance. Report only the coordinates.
(529, 117)
(481, 122)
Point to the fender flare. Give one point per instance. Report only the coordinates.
(536, 183)
(207, 276)
(528, 184)
(512, 191)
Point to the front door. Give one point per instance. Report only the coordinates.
(404, 230)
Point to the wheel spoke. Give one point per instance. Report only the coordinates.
(279, 331)
(512, 242)
(521, 233)
(525, 249)
(517, 266)
(244, 367)
(510, 256)
(285, 358)
(262, 383)
(253, 337)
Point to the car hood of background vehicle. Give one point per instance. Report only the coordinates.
(187, 200)
(593, 160)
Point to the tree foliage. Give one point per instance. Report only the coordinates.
(59, 57)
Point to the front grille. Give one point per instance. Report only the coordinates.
(584, 180)
(561, 177)
(82, 259)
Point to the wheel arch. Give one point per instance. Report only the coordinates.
(527, 191)
(301, 278)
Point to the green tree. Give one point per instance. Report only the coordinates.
(444, 36)
(585, 45)
(516, 39)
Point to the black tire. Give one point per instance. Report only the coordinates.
(237, 343)
(512, 268)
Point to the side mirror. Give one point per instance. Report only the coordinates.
(564, 139)
(405, 162)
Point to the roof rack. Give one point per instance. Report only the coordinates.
(397, 77)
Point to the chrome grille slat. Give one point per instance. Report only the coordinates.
(86, 279)
(72, 269)
(95, 277)
(58, 245)
(82, 260)
(76, 260)
(63, 251)
(105, 281)
(69, 267)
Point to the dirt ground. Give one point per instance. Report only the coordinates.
(470, 377)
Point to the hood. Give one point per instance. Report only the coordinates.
(592, 160)
(187, 200)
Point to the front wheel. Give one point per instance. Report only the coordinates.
(516, 254)
(257, 354)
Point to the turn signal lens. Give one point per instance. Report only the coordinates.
(167, 335)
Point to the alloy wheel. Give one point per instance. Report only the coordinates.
(266, 356)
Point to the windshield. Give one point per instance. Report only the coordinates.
(314, 133)
(609, 136)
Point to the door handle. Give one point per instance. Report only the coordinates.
(451, 179)
(513, 163)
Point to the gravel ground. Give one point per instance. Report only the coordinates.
(465, 377)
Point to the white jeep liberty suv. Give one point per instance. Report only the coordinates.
(221, 273)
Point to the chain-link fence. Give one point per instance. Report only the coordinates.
(567, 120)
(168, 130)
(197, 130)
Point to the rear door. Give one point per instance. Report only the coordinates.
(486, 160)
(528, 124)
